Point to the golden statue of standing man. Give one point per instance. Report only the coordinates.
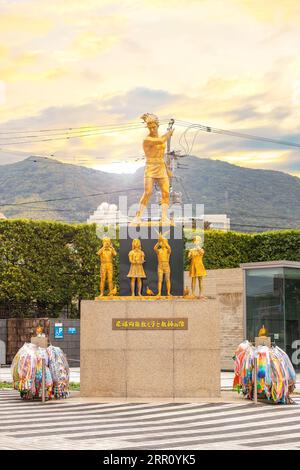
(197, 269)
(137, 258)
(107, 253)
(156, 170)
(163, 252)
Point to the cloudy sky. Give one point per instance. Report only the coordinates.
(231, 64)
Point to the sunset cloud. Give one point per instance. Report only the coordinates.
(231, 64)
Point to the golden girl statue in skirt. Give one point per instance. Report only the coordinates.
(136, 258)
(197, 269)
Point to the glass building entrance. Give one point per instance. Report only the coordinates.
(272, 298)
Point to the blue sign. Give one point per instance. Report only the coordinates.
(72, 330)
(58, 331)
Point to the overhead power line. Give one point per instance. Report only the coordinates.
(210, 129)
(69, 128)
(45, 135)
(13, 204)
(19, 137)
(68, 136)
(274, 227)
(256, 216)
(72, 133)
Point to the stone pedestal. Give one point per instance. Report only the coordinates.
(150, 363)
(40, 341)
(263, 341)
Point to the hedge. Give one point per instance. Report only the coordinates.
(46, 266)
(230, 249)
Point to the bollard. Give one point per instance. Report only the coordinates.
(255, 380)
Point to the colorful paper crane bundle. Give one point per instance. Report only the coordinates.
(59, 370)
(275, 377)
(27, 371)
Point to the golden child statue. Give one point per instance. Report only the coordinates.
(137, 258)
(197, 269)
(107, 254)
(156, 170)
(163, 252)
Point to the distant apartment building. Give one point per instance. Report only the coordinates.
(218, 221)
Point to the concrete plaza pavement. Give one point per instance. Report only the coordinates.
(229, 422)
(75, 423)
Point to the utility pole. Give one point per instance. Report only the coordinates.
(170, 161)
(171, 157)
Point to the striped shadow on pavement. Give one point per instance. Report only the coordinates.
(129, 415)
(201, 431)
(179, 442)
(145, 424)
(274, 442)
(82, 421)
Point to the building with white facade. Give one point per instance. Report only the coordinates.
(218, 221)
(107, 214)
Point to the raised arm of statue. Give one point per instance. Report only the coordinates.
(156, 247)
(113, 251)
(167, 135)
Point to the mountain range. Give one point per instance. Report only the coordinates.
(254, 200)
